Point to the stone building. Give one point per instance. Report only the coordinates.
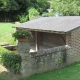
(56, 42)
(51, 32)
(50, 35)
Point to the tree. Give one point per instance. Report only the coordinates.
(66, 7)
(19, 7)
(7, 5)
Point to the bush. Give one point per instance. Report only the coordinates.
(23, 18)
(2, 50)
(32, 13)
(11, 61)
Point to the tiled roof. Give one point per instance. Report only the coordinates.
(56, 24)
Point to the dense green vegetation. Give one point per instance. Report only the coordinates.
(6, 31)
(20, 7)
(11, 61)
(2, 50)
(66, 7)
(24, 10)
(71, 72)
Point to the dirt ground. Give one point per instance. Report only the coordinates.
(7, 75)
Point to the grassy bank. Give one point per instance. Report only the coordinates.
(6, 31)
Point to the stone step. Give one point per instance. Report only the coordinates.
(4, 43)
(10, 47)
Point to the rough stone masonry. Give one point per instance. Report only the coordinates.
(46, 59)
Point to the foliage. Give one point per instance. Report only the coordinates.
(21, 34)
(32, 13)
(66, 7)
(23, 18)
(1, 78)
(18, 7)
(6, 31)
(7, 8)
(47, 14)
(41, 5)
(8, 5)
(2, 51)
(11, 61)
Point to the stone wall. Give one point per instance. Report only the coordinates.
(45, 60)
(49, 59)
(73, 40)
(72, 56)
(68, 39)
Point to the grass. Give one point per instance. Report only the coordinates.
(71, 72)
(6, 31)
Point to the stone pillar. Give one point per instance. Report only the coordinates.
(23, 49)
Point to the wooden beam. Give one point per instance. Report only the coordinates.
(36, 39)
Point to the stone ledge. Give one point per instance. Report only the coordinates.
(4, 43)
(10, 47)
(52, 50)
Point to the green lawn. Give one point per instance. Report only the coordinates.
(6, 31)
(67, 73)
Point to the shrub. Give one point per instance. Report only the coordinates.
(11, 61)
(23, 18)
(2, 50)
(32, 13)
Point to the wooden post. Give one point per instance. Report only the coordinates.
(36, 39)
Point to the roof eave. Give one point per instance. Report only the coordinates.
(72, 29)
(40, 30)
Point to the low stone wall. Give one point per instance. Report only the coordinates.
(72, 56)
(45, 60)
(48, 59)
